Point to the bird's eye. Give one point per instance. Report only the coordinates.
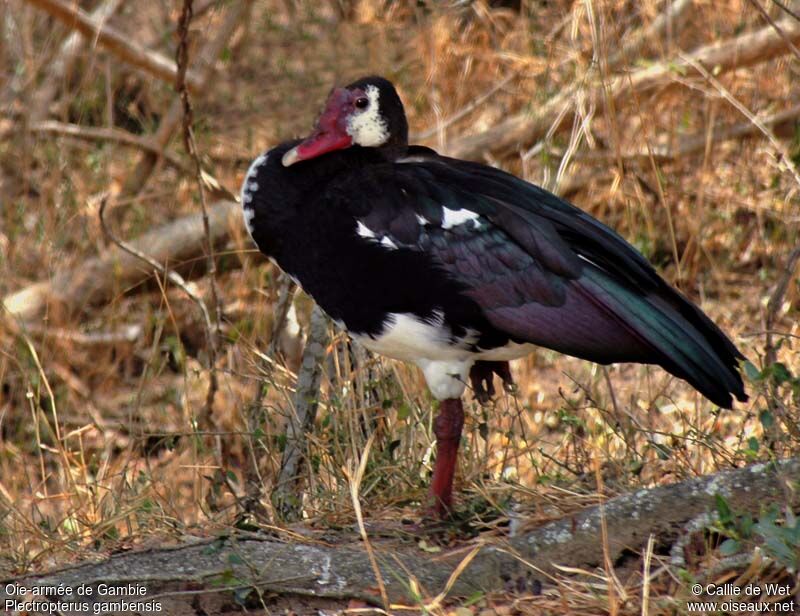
(362, 102)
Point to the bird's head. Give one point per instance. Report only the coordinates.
(367, 113)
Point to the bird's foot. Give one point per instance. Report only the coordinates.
(481, 376)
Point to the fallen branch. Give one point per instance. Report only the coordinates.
(179, 576)
(523, 129)
(117, 43)
(116, 135)
(64, 60)
(101, 278)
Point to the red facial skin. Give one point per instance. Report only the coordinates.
(330, 133)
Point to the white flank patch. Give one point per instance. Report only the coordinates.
(453, 218)
(422, 220)
(368, 128)
(249, 187)
(446, 379)
(407, 337)
(364, 231)
(428, 344)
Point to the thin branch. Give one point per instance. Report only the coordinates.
(171, 275)
(786, 9)
(116, 135)
(776, 27)
(774, 304)
(786, 159)
(472, 106)
(286, 497)
(116, 42)
(100, 278)
(182, 60)
(203, 65)
(61, 64)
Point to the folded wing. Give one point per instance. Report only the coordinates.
(540, 269)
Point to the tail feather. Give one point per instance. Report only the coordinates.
(681, 338)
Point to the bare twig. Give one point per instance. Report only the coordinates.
(116, 42)
(182, 60)
(787, 10)
(99, 278)
(116, 135)
(125, 334)
(472, 106)
(171, 275)
(286, 497)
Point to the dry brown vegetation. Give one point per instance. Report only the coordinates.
(106, 442)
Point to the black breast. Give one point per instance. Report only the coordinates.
(300, 218)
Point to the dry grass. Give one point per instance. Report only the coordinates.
(101, 448)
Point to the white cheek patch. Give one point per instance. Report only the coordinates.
(368, 128)
(249, 188)
(452, 218)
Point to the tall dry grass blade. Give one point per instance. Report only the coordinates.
(355, 475)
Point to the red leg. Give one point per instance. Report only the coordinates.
(447, 428)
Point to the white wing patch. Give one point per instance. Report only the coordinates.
(368, 128)
(249, 188)
(422, 220)
(453, 218)
(364, 231)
